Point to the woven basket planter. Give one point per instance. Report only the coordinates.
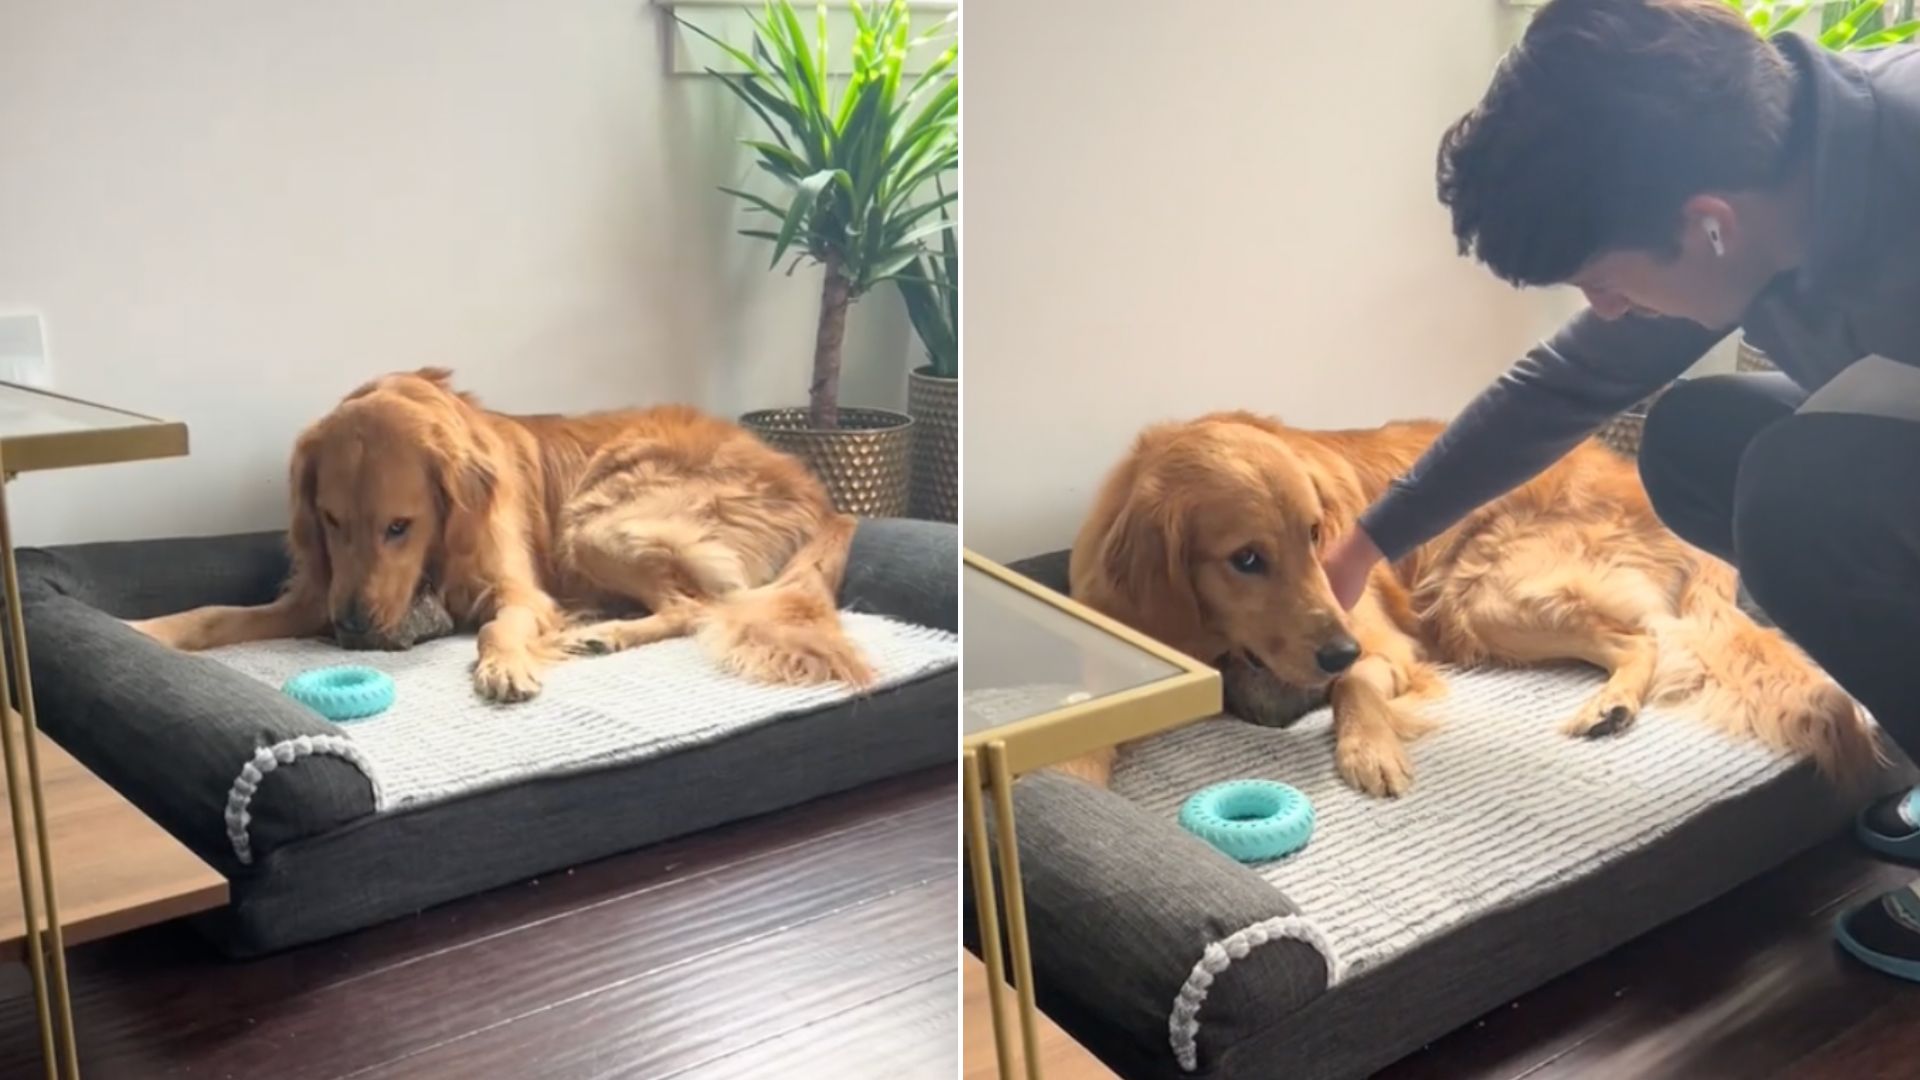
(864, 463)
(1622, 433)
(935, 406)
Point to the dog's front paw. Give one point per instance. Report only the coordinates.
(1375, 765)
(163, 630)
(505, 679)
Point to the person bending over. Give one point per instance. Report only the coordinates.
(1691, 178)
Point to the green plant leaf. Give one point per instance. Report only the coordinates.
(1784, 21)
(950, 26)
(757, 202)
(855, 155)
(804, 196)
(797, 55)
(743, 58)
(1840, 34)
(1897, 34)
(742, 89)
(782, 155)
(906, 218)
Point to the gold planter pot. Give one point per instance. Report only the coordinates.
(864, 462)
(934, 403)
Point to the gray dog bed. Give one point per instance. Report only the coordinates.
(325, 828)
(1519, 854)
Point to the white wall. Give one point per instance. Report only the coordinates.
(1170, 212)
(233, 211)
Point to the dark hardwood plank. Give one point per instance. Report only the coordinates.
(167, 963)
(662, 1021)
(1883, 1044)
(570, 952)
(909, 1035)
(161, 1004)
(1731, 989)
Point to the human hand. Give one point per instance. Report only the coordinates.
(1348, 563)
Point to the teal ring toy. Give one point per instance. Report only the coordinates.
(342, 693)
(1250, 820)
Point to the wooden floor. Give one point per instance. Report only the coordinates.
(815, 943)
(821, 943)
(1747, 988)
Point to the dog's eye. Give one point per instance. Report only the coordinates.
(332, 522)
(1313, 533)
(397, 528)
(1248, 561)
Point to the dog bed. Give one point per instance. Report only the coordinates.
(323, 828)
(1518, 855)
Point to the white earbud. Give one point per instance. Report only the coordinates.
(1712, 225)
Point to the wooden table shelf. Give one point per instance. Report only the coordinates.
(115, 869)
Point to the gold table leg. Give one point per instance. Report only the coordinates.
(46, 951)
(1012, 900)
(986, 912)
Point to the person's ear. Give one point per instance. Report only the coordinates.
(1710, 224)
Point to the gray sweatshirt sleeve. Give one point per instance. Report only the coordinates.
(1557, 394)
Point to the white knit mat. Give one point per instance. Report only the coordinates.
(1503, 806)
(440, 740)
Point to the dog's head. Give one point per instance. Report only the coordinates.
(385, 489)
(1209, 538)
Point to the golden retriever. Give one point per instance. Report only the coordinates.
(1208, 536)
(410, 496)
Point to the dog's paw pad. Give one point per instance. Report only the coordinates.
(1601, 721)
(587, 645)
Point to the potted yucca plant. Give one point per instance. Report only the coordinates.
(854, 159)
(931, 291)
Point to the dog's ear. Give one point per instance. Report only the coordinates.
(466, 483)
(306, 542)
(1142, 563)
(1341, 502)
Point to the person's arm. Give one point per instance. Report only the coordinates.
(1533, 415)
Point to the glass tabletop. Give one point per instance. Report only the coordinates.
(1025, 657)
(42, 430)
(26, 412)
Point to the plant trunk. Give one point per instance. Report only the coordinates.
(823, 398)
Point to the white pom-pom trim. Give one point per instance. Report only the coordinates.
(1183, 1024)
(268, 758)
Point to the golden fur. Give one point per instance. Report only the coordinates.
(409, 492)
(1572, 566)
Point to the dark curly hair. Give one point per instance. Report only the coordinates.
(1603, 122)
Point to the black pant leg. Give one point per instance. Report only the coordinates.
(1691, 448)
(1826, 530)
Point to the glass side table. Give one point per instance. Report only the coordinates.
(1044, 680)
(41, 430)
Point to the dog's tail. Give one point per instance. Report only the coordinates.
(1751, 681)
(788, 630)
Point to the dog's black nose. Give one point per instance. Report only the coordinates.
(1338, 655)
(354, 620)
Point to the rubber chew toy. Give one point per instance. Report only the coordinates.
(1250, 820)
(342, 693)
